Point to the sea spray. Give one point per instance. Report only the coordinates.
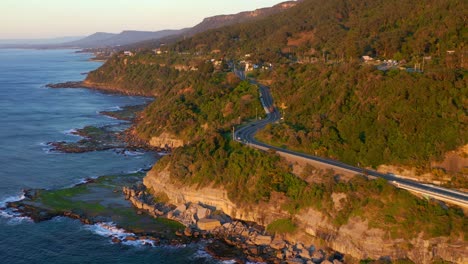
(8, 213)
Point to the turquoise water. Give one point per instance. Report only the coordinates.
(32, 115)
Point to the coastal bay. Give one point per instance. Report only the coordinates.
(33, 115)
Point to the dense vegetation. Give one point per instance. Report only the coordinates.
(344, 30)
(250, 176)
(212, 104)
(364, 116)
(282, 226)
(337, 107)
(343, 110)
(144, 74)
(189, 103)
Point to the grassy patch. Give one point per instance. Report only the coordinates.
(282, 226)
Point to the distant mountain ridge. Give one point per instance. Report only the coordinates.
(134, 39)
(102, 39)
(218, 21)
(226, 20)
(138, 39)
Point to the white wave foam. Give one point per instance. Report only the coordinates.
(50, 151)
(82, 181)
(232, 261)
(46, 147)
(70, 132)
(110, 117)
(136, 171)
(114, 108)
(12, 216)
(133, 153)
(13, 198)
(109, 229)
(201, 254)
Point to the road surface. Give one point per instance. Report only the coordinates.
(246, 135)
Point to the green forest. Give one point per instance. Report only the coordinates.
(333, 105)
(251, 176)
(361, 115)
(344, 30)
(189, 104)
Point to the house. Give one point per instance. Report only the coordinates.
(367, 58)
(157, 51)
(248, 67)
(128, 53)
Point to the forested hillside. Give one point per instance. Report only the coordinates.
(361, 115)
(189, 104)
(333, 104)
(338, 107)
(346, 30)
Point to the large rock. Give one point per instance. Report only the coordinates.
(166, 140)
(264, 214)
(203, 212)
(355, 238)
(208, 224)
(262, 240)
(278, 243)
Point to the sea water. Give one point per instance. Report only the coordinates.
(32, 115)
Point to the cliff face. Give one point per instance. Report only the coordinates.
(263, 214)
(354, 238)
(166, 140)
(114, 88)
(226, 20)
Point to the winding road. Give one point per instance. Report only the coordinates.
(246, 135)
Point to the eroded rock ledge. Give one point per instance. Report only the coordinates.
(246, 240)
(355, 239)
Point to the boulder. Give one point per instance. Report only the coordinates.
(318, 256)
(130, 238)
(208, 224)
(295, 261)
(278, 244)
(262, 240)
(170, 215)
(203, 212)
(187, 232)
(180, 209)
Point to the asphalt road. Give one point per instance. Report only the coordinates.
(246, 135)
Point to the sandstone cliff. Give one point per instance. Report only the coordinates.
(355, 238)
(214, 197)
(166, 140)
(114, 88)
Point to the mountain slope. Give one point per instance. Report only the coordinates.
(218, 22)
(333, 105)
(226, 20)
(346, 29)
(101, 39)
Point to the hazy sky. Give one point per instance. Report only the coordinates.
(57, 18)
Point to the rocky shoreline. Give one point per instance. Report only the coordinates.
(97, 86)
(226, 238)
(234, 239)
(115, 136)
(99, 201)
(71, 84)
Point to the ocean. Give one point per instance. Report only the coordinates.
(32, 115)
